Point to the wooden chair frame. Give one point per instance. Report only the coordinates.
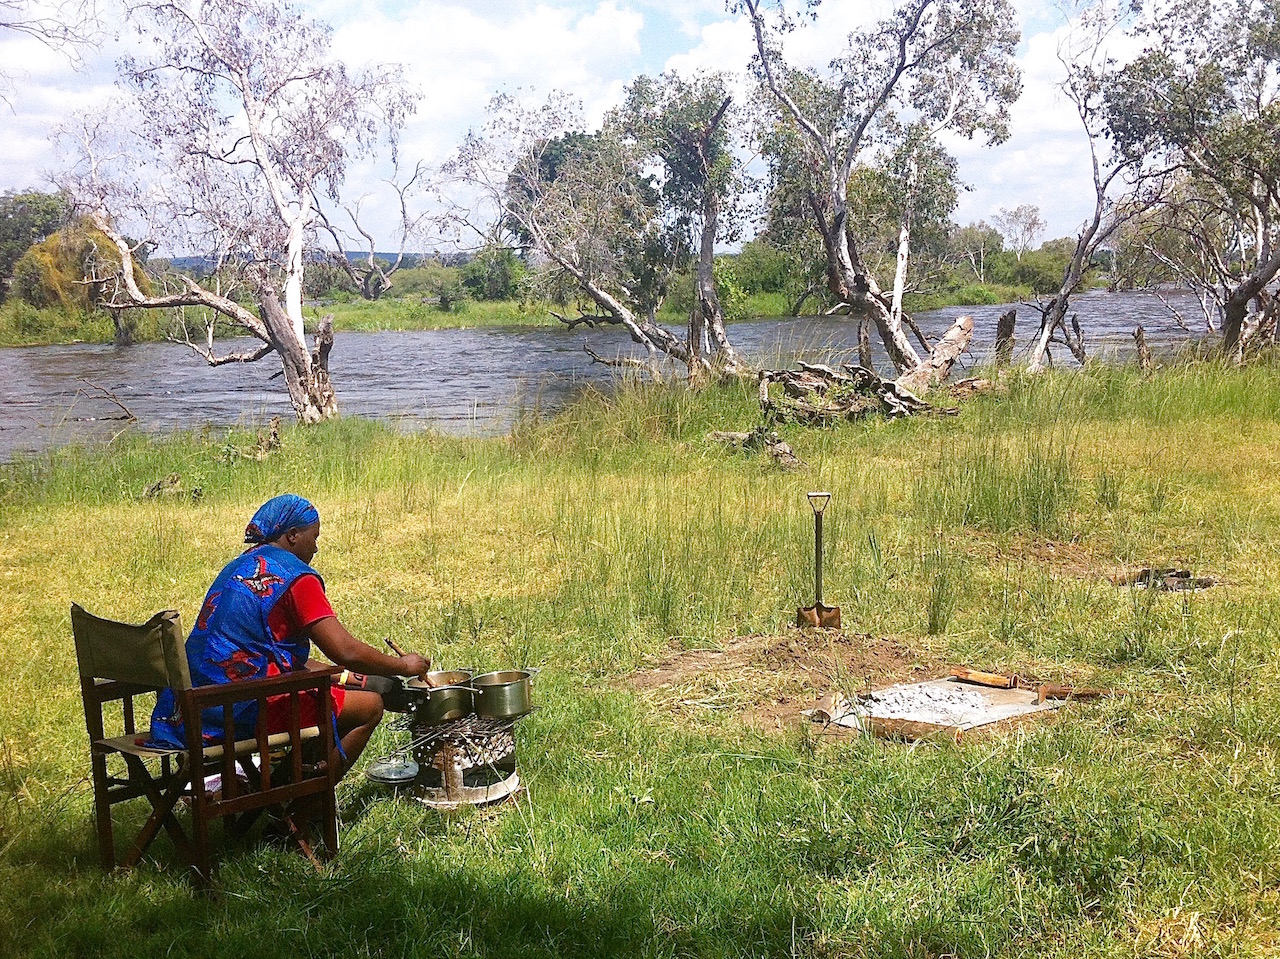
(272, 762)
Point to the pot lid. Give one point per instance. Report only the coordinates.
(392, 771)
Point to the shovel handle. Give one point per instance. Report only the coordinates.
(400, 652)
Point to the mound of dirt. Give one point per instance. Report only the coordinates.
(766, 680)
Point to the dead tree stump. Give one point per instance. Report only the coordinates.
(1004, 337)
(1144, 352)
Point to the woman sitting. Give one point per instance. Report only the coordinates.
(259, 619)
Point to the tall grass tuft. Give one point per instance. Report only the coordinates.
(1107, 485)
(1000, 484)
(943, 580)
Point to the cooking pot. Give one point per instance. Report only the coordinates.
(445, 697)
(504, 694)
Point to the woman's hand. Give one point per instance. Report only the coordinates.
(413, 664)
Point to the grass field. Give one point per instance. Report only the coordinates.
(702, 817)
(23, 325)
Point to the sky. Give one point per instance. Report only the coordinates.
(459, 54)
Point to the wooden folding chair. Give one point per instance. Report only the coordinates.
(118, 662)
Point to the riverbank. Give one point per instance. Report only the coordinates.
(23, 325)
(704, 817)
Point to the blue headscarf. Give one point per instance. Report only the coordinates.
(279, 515)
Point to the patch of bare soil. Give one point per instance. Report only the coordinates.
(766, 680)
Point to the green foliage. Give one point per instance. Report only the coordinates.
(494, 273)
(327, 280)
(762, 268)
(451, 294)
(424, 279)
(60, 271)
(732, 295)
(1042, 270)
(26, 219)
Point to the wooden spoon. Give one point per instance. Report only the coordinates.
(425, 677)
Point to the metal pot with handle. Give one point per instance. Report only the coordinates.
(505, 694)
(439, 696)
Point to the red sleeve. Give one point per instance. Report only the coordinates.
(303, 604)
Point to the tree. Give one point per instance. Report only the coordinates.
(1090, 86)
(936, 64)
(26, 219)
(974, 244)
(240, 127)
(612, 214)
(1202, 101)
(494, 273)
(1021, 227)
(52, 273)
(684, 124)
(371, 275)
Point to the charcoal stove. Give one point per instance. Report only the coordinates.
(470, 761)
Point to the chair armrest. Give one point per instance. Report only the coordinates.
(240, 691)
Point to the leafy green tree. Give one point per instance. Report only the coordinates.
(26, 218)
(686, 125)
(75, 270)
(932, 65)
(975, 245)
(613, 216)
(1202, 105)
(761, 267)
(495, 273)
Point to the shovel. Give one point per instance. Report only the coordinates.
(826, 617)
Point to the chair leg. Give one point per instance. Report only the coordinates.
(330, 822)
(102, 813)
(161, 813)
(200, 838)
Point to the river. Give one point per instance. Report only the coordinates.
(457, 381)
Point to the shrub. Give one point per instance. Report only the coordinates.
(495, 273)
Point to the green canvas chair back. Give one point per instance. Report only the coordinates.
(151, 654)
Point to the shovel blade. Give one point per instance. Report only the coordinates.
(823, 617)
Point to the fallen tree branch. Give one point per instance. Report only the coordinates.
(760, 438)
(102, 392)
(624, 362)
(590, 320)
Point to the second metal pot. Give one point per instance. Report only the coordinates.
(504, 694)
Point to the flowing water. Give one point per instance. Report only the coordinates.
(458, 381)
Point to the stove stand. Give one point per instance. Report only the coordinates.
(465, 762)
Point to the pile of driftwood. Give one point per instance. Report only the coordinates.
(818, 395)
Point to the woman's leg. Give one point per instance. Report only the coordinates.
(360, 715)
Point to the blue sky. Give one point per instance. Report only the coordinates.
(460, 53)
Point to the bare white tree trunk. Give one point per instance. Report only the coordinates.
(310, 392)
(904, 245)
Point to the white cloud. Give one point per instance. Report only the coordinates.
(460, 53)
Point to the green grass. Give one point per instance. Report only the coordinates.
(411, 313)
(973, 294)
(593, 542)
(22, 325)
